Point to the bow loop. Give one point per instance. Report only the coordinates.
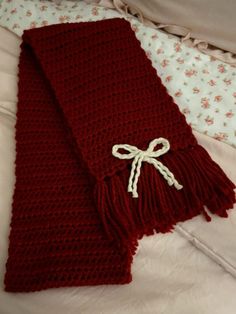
(133, 150)
(148, 156)
(151, 152)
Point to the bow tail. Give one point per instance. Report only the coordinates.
(166, 173)
(134, 175)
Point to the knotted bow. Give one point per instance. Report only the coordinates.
(149, 156)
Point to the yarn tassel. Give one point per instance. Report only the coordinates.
(160, 206)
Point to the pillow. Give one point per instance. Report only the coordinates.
(207, 22)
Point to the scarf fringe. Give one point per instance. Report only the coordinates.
(159, 206)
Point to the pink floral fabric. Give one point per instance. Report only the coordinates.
(203, 88)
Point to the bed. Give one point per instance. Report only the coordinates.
(192, 269)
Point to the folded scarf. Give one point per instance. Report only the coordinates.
(103, 157)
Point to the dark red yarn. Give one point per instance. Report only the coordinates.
(83, 88)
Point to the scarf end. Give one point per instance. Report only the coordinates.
(160, 206)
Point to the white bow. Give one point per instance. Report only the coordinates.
(149, 156)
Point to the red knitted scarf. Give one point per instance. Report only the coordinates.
(83, 89)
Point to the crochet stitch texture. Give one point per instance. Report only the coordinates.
(82, 89)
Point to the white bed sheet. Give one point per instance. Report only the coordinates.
(170, 275)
